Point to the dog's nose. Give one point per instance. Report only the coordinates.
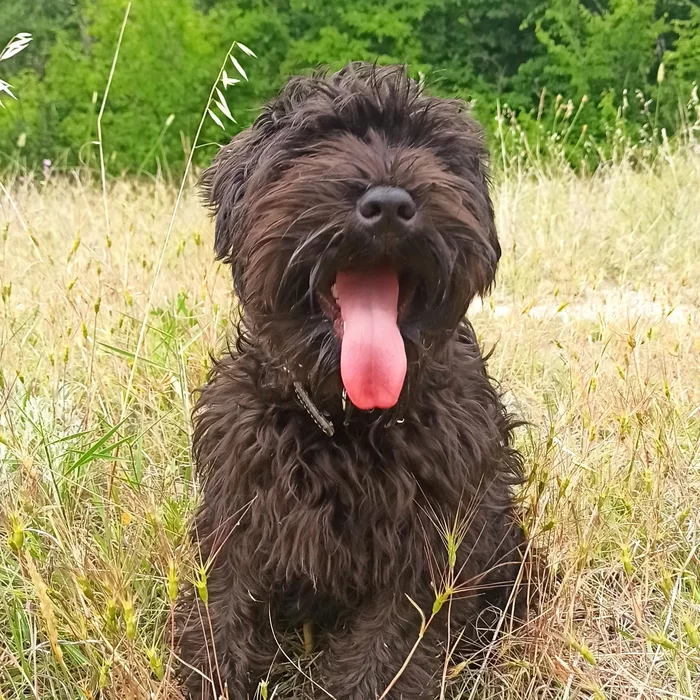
(386, 208)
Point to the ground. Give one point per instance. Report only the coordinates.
(108, 317)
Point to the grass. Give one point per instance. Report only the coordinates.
(596, 327)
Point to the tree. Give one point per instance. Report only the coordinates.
(513, 51)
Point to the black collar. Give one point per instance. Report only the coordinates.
(321, 420)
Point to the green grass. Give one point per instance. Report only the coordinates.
(596, 327)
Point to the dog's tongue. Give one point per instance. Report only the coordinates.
(372, 355)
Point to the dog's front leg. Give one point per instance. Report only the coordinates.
(375, 654)
(225, 646)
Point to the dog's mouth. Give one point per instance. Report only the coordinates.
(366, 307)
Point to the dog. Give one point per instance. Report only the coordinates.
(357, 463)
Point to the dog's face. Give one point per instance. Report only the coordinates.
(356, 216)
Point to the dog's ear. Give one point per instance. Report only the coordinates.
(488, 218)
(224, 183)
(473, 161)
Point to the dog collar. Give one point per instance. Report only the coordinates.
(319, 418)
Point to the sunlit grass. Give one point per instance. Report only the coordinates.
(596, 327)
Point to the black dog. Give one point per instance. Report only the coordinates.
(355, 457)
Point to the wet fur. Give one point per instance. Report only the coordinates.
(340, 531)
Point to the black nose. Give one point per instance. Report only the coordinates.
(386, 208)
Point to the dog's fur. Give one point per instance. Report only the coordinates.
(347, 532)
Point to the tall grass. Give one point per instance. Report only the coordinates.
(112, 305)
(596, 327)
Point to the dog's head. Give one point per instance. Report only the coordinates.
(356, 216)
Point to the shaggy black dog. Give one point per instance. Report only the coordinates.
(355, 457)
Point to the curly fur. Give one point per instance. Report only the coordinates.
(340, 531)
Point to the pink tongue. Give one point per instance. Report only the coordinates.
(372, 356)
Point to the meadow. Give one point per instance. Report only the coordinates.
(108, 318)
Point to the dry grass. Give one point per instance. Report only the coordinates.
(596, 321)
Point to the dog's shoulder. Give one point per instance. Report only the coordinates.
(229, 390)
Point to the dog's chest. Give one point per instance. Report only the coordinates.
(346, 506)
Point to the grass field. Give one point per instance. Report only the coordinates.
(596, 327)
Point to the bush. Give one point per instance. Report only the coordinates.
(574, 75)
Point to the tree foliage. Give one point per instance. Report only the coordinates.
(533, 55)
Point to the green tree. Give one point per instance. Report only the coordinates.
(684, 58)
(512, 51)
(45, 19)
(165, 67)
